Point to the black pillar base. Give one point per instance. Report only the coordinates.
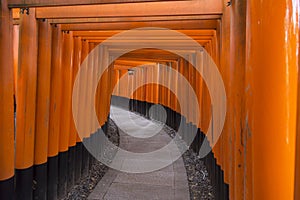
(40, 182)
(24, 183)
(7, 189)
(62, 174)
(52, 181)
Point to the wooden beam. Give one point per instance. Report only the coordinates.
(178, 25)
(131, 19)
(149, 43)
(151, 55)
(52, 3)
(170, 8)
(132, 63)
(145, 33)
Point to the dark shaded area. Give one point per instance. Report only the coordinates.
(85, 184)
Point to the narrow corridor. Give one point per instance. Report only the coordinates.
(167, 183)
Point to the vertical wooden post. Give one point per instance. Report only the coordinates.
(7, 104)
(76, 67)
(83, 93)
(237, 91)
(272, 65)
(42, 109)
(225, 71)
(66, 84)
(26, 101)
(54, 116)
(297, 165)
(72, 129)
(297, 160)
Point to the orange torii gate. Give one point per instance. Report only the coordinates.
(254, 44)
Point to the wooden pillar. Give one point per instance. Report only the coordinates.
(72, 129)
(236, 93)
(7, 104)
(297, 165)
(26, 101)
(225, 71)
(42, 109)
(83, 94)
(272, 65)
(66, 85)
(55, 107)
(78, 151)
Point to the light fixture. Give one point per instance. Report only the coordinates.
(130, 71)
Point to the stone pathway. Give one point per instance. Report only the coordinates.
(169, 182)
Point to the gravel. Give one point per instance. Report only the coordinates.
(199, 183)
(85, 186)
(200, 186)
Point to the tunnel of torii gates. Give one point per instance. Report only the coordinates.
(253, 43)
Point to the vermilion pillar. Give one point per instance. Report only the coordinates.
(42, 109)
(76, 67)
(236, 94)
(297, 165)
(64, 132)
(54, 116)
(26, 104)
(7, 104)
(272, 42)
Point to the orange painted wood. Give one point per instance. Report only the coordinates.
(26, 91)
(184, 90)
(162, 33)
(55, 91)
(48, 3)
(123, 87)
(180, 89)
(173, 81)
(98, 95)
(236, 93)
(131, 19)
(83, 87)
(104, 87)
(6, 94)
(178, 25)
(148, 95)
(134, 9)
(43, 92)
(15, 54)
(297, 166)
(225, 70)
(114, 82)
(155, 87)
(66, 95)
(199, 83)
(110, 86)
(76, 66)
(96, 52)
(90, 80)
(272, 59)
(206, 103)
(193, 90)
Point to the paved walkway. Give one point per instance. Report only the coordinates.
(167, 183)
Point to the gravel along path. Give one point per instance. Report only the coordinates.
(85, 186)
(199, 184)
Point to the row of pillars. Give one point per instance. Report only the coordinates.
(41, 154)
(259, 66)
